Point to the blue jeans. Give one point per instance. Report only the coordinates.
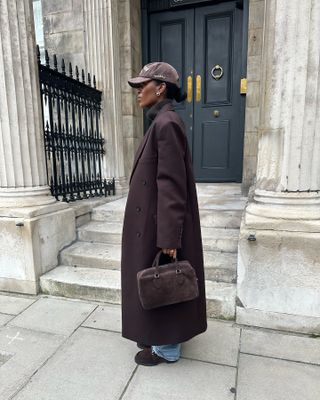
(170, 352)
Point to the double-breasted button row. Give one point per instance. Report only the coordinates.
(138, 234)
(144, 182)
(138, 208)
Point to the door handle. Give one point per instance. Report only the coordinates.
(189, 86)
(198, 88)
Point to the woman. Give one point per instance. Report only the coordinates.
(161, 213)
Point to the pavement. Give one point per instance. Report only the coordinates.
(54, 348)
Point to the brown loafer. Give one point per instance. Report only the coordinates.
(143, 346)
(148, 358)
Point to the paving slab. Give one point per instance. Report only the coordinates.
(22, 352)
(56, 316)
(262, 378)
(184, 380)
(14, 304)
(219, 344)
(278, 345)
(4, 318)
(91, 365)
(106, 317)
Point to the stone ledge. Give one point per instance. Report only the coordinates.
(278, 321)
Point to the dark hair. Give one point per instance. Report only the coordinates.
(173, 92)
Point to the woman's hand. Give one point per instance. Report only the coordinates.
(171, 252)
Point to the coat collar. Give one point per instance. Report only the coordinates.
(152, 113)
(154, 110)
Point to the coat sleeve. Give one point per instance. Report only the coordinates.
(171, 185)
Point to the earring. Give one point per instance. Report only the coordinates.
(158, 93)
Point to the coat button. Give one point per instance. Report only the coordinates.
(138, 234)
(138, 208)
(144, 182)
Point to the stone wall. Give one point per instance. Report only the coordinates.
(130, 65)
(64, 30)
(254, 61)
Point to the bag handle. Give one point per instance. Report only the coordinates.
(156, 264)
(157, 259)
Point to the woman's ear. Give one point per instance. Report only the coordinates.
(162, 87)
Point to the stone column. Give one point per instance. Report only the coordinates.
(279, 269)
(33, 226)
(22, 165)
(103, 60)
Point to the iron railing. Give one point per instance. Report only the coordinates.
(73, 141)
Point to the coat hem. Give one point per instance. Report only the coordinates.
(163, 342)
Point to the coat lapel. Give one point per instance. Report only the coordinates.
(166, 107)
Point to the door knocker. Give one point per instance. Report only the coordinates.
(217, 72)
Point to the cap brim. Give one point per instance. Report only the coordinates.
(135, 82)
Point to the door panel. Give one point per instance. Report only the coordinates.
(218, 134)
(215, 142)
(171, 41)
(218, 51)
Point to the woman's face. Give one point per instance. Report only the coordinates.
(146, 93)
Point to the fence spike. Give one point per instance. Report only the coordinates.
(94, 82)
(83, 77)
(38, 54)
(55, 62)
(89, 79)
(70, 70)
(63, 67)
(77, 73)
(47, 59)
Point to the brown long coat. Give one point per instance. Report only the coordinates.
(161, 212)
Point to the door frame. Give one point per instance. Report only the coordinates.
(164, 5)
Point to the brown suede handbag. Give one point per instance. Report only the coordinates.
(167, 284)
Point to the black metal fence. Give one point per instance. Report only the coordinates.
(73, 141)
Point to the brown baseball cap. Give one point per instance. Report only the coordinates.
(156, 70)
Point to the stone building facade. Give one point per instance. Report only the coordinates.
(278, 264)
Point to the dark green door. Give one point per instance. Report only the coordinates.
(204, 44)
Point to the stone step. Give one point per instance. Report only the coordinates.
(111, 212)
(221, 299)
(111, 232)
(209, 202)
(101, 231)
(219, 189)
(105, 285)
(220, 218)
(220, 239)
(82, 283)
(219, 266)
(94, 255)
(214, 218)
(214, 211)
